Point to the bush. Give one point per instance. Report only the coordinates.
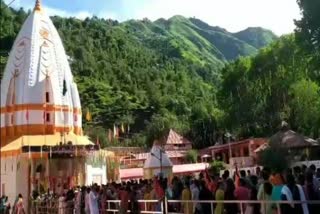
(192, 156)
(217, 166)
(274, 157)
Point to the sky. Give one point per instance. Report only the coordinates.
(233, 15)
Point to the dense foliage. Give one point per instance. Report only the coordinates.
(172, 73)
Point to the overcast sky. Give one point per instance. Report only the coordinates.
(234, 15)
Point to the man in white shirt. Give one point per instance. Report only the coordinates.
(93, 200)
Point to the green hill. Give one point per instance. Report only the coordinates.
(195, 40)
(256, 36)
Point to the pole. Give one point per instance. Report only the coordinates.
(160, 162)
(230, 152)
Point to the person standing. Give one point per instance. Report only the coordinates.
(205, 195)
(187, 207)
(219, 197)
(124, 199)
(62, 204)
(195, 196)
(242, 193)
(87, 201)
(19, 206)
(93, 200)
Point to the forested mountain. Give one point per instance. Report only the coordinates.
(184, 74)
(196, 41)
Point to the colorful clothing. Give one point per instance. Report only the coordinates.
(219, 197)
(187, 206)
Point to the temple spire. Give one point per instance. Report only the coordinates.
(37, 6)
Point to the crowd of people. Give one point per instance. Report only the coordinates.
(190, 195)
(5, 206)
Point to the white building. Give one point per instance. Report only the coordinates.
(40, 109)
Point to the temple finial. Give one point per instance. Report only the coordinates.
(37, 5)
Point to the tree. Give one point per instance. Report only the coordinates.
(305, 104)
(308, 27)
(274, 157)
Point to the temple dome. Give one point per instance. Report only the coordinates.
(38, 93)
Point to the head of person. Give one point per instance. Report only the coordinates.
(220, 185)
(242, 173)
(254, 180)
(304, 168)
(265, 175)
(20, 196)
(196, 183)
(242, 182)
(248, 172)
(312, 168)
(202, 185)
(226, 173)
(258, 171)
(318, 173)
(297, 170)
(309, 177)
(187, 184)
(267, 186)
(290, 180)
(301, 179)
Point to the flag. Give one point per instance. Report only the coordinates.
(109, 135)
(237, 177)
(122, 128)
(98, 142)
(88, 115)
(307, 153)
(64, 89)
(114, 131)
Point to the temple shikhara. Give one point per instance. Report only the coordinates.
(42, 143)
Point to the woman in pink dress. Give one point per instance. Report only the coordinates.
(19, 208)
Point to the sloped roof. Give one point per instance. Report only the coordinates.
(170, 154)
(48, 140)
(152, 161)
(289, 138)
(175, 138)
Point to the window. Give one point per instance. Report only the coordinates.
(47, 97)
(48, 117)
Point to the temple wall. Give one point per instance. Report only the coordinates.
(22, 175)
(8, 175)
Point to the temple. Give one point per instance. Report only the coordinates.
(38, 94)
(42, 144)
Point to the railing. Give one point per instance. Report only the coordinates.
(163, 206)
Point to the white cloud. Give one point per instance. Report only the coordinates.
(80, 14)
(234, 15)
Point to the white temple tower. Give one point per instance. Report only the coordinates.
(42, 145)
(38, 93)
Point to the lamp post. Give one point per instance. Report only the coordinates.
(228, 135)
